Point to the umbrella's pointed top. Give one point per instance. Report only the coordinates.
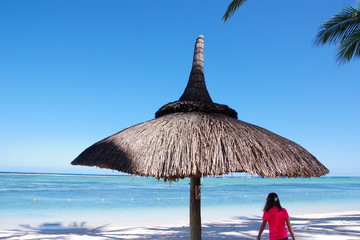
(196, 87)
(196, 98)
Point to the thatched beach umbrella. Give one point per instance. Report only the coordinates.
(195, 137)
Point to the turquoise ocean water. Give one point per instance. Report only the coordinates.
(50, 197)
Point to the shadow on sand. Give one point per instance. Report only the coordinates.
(346, 226)
(237, 228)
(52, 231)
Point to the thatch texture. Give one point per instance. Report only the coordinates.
(180, 145)
(191, 106)
(195, 137)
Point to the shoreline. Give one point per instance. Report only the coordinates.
(317, 226)
(160, 216)
(68, 207)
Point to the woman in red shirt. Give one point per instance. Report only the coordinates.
(277, 217)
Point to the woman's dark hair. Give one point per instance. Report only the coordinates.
(272, 201)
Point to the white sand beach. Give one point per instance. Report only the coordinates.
(320, 226)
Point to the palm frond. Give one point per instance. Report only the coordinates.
(233, 6)
(338, 27)
(349, 48)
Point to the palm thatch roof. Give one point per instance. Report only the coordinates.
(194, 137)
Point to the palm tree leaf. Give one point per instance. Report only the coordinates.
(338, 27)
(233, 6)
(349, 48)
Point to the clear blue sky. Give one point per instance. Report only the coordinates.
(74, 72)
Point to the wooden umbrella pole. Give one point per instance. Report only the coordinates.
(195, 209)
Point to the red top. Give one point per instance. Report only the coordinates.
(276, 220)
